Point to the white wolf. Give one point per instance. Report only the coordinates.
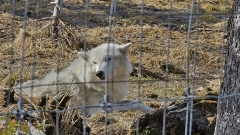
(92, 70)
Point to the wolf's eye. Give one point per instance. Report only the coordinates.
(107, 59)
(94, 62)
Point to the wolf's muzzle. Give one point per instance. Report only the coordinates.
(100, 75)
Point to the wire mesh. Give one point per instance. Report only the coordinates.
(81, 28)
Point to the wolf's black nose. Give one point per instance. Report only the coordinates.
(99, 74)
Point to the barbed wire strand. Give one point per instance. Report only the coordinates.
(183, 98)
(112, 25)
(187, 65)
(10, 62)
(142, 100)
(56, 14)
(34, 61)
(85, 67)
(119, 14)
(20, 104)
(57, 77)
(167, 72)
(37, 9)
(133, 81)
(112, 81)
(106, 96)
(139, 67)
(194, 68)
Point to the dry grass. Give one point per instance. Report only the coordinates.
(42, 50)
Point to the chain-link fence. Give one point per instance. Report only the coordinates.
(177, 54)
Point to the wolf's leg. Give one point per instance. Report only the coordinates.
(131, 105)
(48, 84)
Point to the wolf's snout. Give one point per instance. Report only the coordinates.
(100, 75)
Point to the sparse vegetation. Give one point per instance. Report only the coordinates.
(41, 51)
(13, 125)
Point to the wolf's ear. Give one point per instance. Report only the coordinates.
(84, 55)
(124, 48)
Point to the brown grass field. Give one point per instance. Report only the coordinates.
(161, 33)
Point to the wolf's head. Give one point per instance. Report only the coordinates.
(108, 60)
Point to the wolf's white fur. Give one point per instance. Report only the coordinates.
(110, 59)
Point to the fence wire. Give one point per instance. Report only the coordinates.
(84, 23)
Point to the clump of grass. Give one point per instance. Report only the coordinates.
(6, 18)
(13, 125)
(207, 7)
(225, 8)
(210, 7)
(6, 7)
(209, 18)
